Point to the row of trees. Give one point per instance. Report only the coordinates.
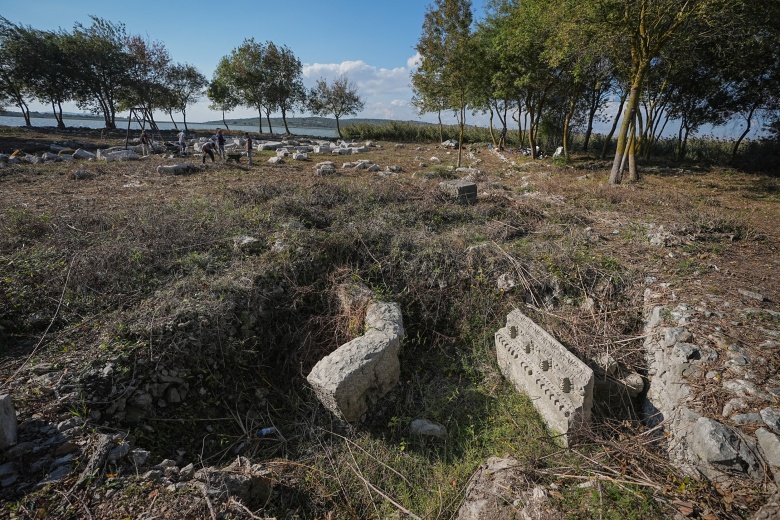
(269, 79)
(100, 67)
(554, 65)
(106, 71)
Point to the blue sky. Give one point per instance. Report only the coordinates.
(372, 42)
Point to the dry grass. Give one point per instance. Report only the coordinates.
(147, 277)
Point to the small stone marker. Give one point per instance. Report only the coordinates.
(558, 383)
(8, 424)
(465, 192)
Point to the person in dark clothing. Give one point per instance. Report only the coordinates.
(208, 148)
(502, 139)
(248, 147)
(144, 140)
(220, 143)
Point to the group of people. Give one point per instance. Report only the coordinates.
(217, 144)
(214, 145)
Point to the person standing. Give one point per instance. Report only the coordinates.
(220, 143)
(502, 139)
(208, 148)
(248, 147)
(182, 142)
(144, 140)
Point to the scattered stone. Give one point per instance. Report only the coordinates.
(734, 405)
(771, 416)
(718, 445)
(139, 456)
(247, 244)
(747, 418)
(674, 335)
(119, 452)
(464, 192)
(427, 428)
(742, 388)
(276, 160)
(751, 294)
(177, 169)
(770, 446)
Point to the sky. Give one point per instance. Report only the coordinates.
(372, 42)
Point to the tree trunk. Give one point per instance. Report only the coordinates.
(58, 116)
(284, 119)
(441, 128)
(225, 122)
(629, 118)
(633, 174)
(749, 118)
(184, 119)
(338, 128)
(566, 123)
(173, 121)
(462, 125)
(268, 120)
(608, 139)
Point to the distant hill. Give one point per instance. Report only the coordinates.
(310, 122)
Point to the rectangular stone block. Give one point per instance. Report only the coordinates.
(8, 424)
(558, 383)
(464, 192)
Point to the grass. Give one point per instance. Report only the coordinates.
(149, 279)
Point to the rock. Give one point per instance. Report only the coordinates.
(751, 294)
(187, 472)
(733, 405)
(177, 169)
(634, 384)
(770, 510)
(464, 192)
(674, 335)
(770, 445)
(276, 160)
(747, 418)
(506, 282)
(742, 388)
(500, 490)
(247, 244)
(8, 423)
(717, 444)
(357, 374)
(73, 422)
(139, 456)
(243, 480)
(83, 154)
(771, 417)
(119, 452)
(428, 428)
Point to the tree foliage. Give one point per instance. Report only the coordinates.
(339, 98)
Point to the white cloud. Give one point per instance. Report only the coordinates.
(414, 61)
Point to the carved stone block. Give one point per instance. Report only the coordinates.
(558, 383)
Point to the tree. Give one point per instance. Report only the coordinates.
(55, 71)
(185, 87)
(147, 75)
(243, 73)
(15, 70)
(284, 77)
(222, 97)
(446, 72)
(339, 98)
(103, 64)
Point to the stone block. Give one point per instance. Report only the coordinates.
(558, 383)
(8, 424)
(355, 376)
(464, 192)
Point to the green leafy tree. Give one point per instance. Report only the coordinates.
(446, 75)
(284, 81)
(222, 97)
(339, 98)
(244, 74)
(15, 69)
(147, 76)
(100, 54)
(186, 85)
